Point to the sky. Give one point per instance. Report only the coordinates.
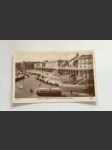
(46, 55)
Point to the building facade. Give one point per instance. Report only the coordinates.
(79, 66)
(82, 66)
(51, 66)
(20, 66)
(38, 65)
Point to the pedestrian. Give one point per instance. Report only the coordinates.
(39, 84)
(71, 92)
(31, 91)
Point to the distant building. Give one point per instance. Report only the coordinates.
(51, 66)
(80, 66)
(20, 66)
(38, 65)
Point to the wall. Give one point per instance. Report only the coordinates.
(51, 64)
(103, 50)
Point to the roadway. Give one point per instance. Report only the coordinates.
(31, 83)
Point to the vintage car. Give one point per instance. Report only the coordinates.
(21, 77)
(46, 80)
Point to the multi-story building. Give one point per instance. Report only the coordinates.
(79, 66)
(82, 66)
(38, 65)
(19, 69)
(51, 66)
(20, 66)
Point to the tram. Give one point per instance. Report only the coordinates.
(49, 92)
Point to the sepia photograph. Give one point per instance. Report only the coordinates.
(54, 76)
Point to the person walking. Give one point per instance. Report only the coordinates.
(39, 85)
(31, 91)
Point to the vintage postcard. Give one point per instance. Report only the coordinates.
(54, 76)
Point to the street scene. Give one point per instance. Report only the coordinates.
(58, 74)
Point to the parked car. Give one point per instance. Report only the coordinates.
(51, 82)
(45, 80)
(21, 77)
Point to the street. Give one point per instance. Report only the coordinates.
(23, 87)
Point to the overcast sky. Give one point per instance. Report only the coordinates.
(46, 55)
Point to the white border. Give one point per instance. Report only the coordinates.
(57, 99)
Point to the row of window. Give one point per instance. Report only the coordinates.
(86, 66)
(86, 61)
